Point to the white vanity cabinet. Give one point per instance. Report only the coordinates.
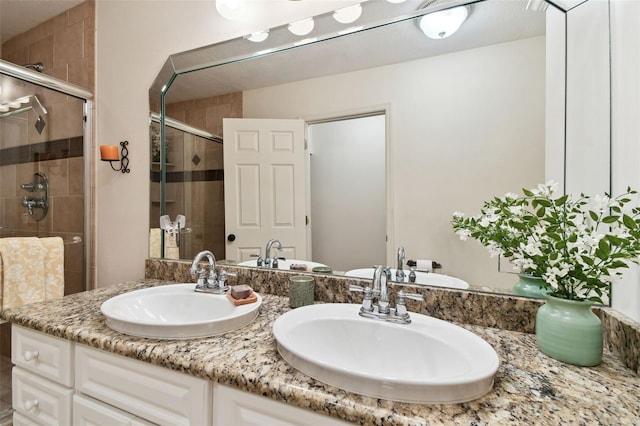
(58, 382)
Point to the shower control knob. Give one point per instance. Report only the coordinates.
(231, 237)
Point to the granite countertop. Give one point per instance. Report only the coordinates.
(529, 387)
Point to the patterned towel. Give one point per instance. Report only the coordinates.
(21, 271)
(53, 267)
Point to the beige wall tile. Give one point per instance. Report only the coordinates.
(67, 214)
(68, 44)
(41, 50)
(76, 176)
(8, 184)
(57, 172)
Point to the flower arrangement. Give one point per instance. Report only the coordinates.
(577, 246)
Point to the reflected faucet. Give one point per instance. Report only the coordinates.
(399, 272)
(268, 261)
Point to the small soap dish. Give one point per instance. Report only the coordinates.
(250, 299)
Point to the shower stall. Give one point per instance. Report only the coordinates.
(44, 168)
(193, 187)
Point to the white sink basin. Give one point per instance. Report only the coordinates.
(175, 311)
(427, 361)
(286, 264)
(423, 278)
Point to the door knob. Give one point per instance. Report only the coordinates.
(231, 237)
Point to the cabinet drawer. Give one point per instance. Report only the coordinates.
(89, 412)
(154, 393)
(20, 420)
(48, 356)
(41, 400)
(235, 407)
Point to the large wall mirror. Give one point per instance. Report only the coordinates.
(391, 131)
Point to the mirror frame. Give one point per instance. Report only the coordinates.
(280, 40)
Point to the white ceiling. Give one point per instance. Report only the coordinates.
(18, 16)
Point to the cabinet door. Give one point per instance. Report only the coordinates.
(89, 412)
(154, 393)
(235, 407)
(41, 400)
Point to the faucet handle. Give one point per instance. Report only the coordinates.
(367, 301)
(401, 302)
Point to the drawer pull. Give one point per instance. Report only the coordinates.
(28, 405)
(29, 355)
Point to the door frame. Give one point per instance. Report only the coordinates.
(364, 111)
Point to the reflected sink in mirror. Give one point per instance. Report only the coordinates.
(176, 311)
(422, 278)
(426, 361)
(286, 264)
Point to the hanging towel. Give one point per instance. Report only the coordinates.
(155, 242)
(53, 267)
(22, 271)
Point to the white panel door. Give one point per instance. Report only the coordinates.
(264, 186)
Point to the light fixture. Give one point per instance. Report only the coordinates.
(349, 14)
(302, 27)
(232, 10)
(536, 5)
(350, 30)
(258, 36)
(396, 1)
(442, 24)
(110, 153)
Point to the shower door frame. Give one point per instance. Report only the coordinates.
(48, 82)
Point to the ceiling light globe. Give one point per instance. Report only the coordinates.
(442, 24)
(302, 27)
(348, 15)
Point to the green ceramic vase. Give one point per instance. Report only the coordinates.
(529, 286)
(567, 330)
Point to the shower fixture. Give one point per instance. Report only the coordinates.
(22, 104)
(37, 206)
(38, 66)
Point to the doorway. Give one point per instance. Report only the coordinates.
(348, 191)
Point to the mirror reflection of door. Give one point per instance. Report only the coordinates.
(264, 185)
(348, 208)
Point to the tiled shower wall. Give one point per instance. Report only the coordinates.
(65, 44)
(195, 185)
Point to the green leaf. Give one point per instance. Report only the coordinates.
(589, 261)
(541, 211)
(593, 215)
(610, 219)
(629, 222)
(527, 192)
(560, 201)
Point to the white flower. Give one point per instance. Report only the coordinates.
(463, 234)
(517, 210)
(458, 215)
(601, 203)
(510, 196)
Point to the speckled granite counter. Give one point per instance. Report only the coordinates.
(530, 388)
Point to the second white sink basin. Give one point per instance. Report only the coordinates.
(175, 311)
(427, 361)
(422, 278)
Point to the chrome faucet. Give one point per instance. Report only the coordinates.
(383, 311)
(268, 261)
(399, 272)
(209, 284)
